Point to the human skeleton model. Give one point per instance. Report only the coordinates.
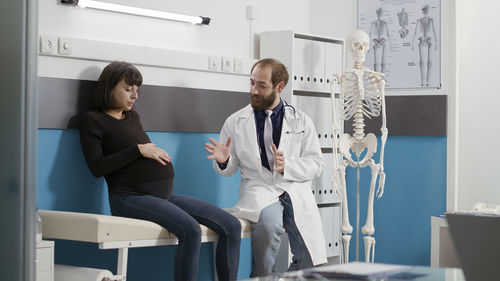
(425, 28)
(403, 22)
(379, 33)
(361, 95)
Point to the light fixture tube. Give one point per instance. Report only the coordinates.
(136, 11)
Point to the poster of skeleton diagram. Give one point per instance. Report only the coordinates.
(404, 41)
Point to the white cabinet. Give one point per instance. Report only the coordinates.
(331, 220)
(323, 188)
(312, 62)
(319, 108)
(44, 260)
(317, 65)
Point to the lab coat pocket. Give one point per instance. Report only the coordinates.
(293, 144)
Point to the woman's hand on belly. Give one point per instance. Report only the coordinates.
(150, 150)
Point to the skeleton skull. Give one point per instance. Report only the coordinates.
(358, 43)
(425, 9)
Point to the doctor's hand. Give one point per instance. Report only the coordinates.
(279, 160)
(150, 150)
(218, 151)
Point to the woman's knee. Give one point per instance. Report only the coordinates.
(233, 229)
(228, 226)
(189, 230)
(233, 224)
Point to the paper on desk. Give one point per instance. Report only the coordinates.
(359, 270)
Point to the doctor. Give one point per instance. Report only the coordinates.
(276, 148)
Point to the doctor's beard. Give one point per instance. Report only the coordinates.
(261, 102)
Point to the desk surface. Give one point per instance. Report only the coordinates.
(425, 274)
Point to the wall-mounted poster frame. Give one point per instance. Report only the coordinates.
(405, 41)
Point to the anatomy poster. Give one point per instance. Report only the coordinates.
(404, 41)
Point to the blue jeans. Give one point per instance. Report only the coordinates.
(181, 215)
(274, 221)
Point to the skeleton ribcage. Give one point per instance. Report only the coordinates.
(354, 94)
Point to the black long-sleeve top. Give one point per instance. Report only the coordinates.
(110, 149)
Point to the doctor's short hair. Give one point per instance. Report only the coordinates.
(279, 71)
(110, 76)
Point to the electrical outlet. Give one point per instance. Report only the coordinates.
(48, 44)
(214, 63)
(65, 46)
(227, 64)
(238, 65)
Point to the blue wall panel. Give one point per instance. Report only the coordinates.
(415, 190)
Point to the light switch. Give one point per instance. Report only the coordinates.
(65, 46)
(48, 44)
(238, 65)
(227, 64)
(214, 63)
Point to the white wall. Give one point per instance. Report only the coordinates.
(227, 34)
(478, 102)
(334, 18)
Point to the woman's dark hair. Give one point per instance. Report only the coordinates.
(111, 75)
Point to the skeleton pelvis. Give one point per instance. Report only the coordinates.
(348, 144)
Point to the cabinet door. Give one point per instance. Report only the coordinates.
(44, 262)
(308, 53)
(314, 187)
(336, 231)
(333, 64)
(324, 192)
(331, 230)
(320, 111)
(326, 130)
(301, 59)
(310, 106)
(318, 65)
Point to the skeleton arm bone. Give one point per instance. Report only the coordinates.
(383, 140)
(371, 36)
(415, 34)
(336, 132)
(434, 33)
(388, 37)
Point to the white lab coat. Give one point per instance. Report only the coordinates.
(260, 187)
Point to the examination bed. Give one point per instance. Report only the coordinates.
(112, 232)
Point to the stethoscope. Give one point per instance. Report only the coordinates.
(285, 104)
(293, 122)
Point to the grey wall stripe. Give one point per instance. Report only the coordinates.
(161, 108)
(411, 116)
(193, 110)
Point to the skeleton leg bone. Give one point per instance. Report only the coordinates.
(369, 228)
(428, 65)
(421, 62)
(369, 245)
(346, 226)
(345, 248)
(382, 60)
(375, 61)
(344, 146)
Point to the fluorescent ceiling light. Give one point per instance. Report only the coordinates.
(136, 11)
